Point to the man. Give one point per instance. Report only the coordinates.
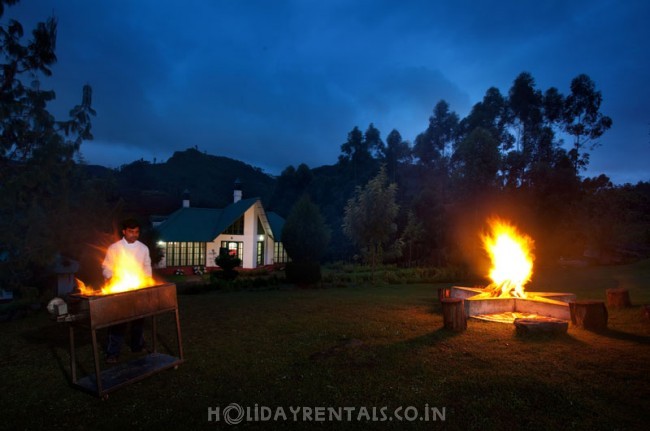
(128, 245)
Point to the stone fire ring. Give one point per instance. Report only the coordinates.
(545, 304)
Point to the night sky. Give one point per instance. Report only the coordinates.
(279, 83)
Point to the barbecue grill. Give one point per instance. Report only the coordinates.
(101, 311)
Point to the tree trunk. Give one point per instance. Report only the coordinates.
(453, 314)
(618, 298)
(591, 315)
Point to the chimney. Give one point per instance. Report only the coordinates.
(237, 192)
(186, 198)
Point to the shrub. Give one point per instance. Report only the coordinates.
(303, 273)
(228, 263)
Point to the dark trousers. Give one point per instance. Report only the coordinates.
(116, 337)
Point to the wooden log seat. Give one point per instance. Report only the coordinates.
(618, 298)
(591, 315)
(540, 325)
(453, 314)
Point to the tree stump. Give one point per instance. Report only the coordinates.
(618, 298)
(591, 315)
(453, 314)
(645, 311)
(443, 292)
(540, 325)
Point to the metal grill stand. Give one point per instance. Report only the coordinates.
(97, 312)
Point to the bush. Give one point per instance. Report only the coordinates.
(303, 273)
(196, 289)
(339, 274)
(228, 263)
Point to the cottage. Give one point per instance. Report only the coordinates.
(192, 237)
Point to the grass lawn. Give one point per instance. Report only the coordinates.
(362, 347)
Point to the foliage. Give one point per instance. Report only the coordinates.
(360, 275)
(509, 145)
(357, 153)
(305, 235)
(396, 152)
(303, 273)
(432, 144)
(370, 215)
(583, 120)
(476, 161)
(291, 185)
(227, 263)
(412, 237)
(156, 188)
(42, 190)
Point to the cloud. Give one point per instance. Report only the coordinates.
(282, 83)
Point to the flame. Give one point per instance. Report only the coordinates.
(512, 259)
(127, 275)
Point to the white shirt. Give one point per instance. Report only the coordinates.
(137, 250)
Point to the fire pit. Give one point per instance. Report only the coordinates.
(95, 312)
(505, 309)
(505, 298)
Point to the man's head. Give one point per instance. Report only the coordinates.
(131, 230)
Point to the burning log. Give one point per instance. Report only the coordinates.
(505, 289)
(453, 314)
(618, 298)
(591, 315)
(512, 259)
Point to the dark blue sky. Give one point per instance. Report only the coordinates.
(282, 82)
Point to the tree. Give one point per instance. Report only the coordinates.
(491, 114)
(412, 237)
(430, 145)
(290, 186)
(583, 119)
(354, 150)
(373, 141)
(38, 175)
(305, 237)
(369, 219)
(397, 151)
(476, 161)
(525, 103)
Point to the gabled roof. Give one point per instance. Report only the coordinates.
(190, 224)
(232, 212)
(277, 223)
(202, 224)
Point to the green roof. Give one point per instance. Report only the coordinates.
(205, 224)
(190, 224)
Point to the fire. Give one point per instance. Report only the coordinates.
(512, 259)
(127, 275)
